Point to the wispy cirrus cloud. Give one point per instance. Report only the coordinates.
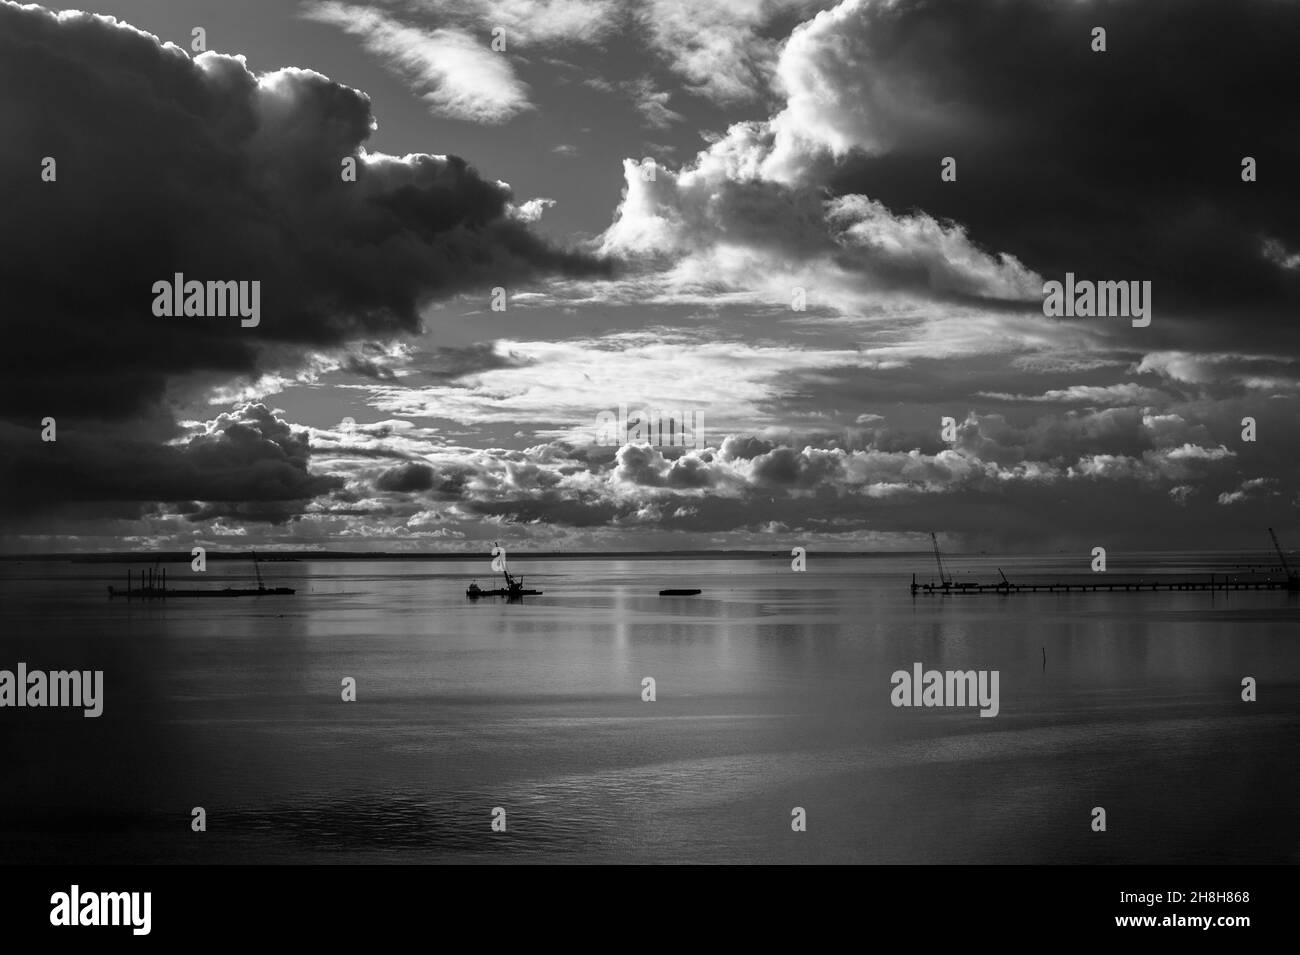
(1122, 394)
(652, 103)
(529, 21)
(456, 73)
(718, 48)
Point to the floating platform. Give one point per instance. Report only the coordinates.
(678, 593)
(1290, 584)
(162, 593)
(153, 586)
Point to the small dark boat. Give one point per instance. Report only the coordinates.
(473, 592)
(678, 593)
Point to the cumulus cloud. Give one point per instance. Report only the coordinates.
(702, 226)
(1103, 465)
(201, 167)
(942, 258)
(856, 78)
(757, 201)
(835, 193)
(248, 463)
(406, 477)
(719, 47)
(1254, 487)
(1045, 132)
(533, 209)
(252, 191)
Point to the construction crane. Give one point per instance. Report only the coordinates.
(943, 574)
(1292, 580)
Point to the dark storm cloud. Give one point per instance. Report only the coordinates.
(1117, 165)
(446, 483)
(371, 360)
(248, 462)
(406, 477)
(449, 363)
(169, 164)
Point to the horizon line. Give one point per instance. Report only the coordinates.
(274, 555)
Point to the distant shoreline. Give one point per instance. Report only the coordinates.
(271, 557)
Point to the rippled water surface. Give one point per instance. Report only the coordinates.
(773, 691)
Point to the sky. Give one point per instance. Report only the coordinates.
(818, 229)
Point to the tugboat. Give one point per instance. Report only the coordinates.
(513, 589)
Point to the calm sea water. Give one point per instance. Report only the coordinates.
(773, 692)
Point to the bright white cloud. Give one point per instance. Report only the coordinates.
(711, 222)
(568, 383)
(1261, 372)
(848, 88)
(533, 209)
(456, 73)
(717, 47)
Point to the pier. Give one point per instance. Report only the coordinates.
(1289, 581)
(1147, 586)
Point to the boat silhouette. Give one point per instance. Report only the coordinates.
(513, 589)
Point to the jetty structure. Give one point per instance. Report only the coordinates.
(153, 586)
(1289, 581)
(514, 588)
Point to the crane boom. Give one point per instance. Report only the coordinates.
(499, 551)
(1286, 569)
(943, 575)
